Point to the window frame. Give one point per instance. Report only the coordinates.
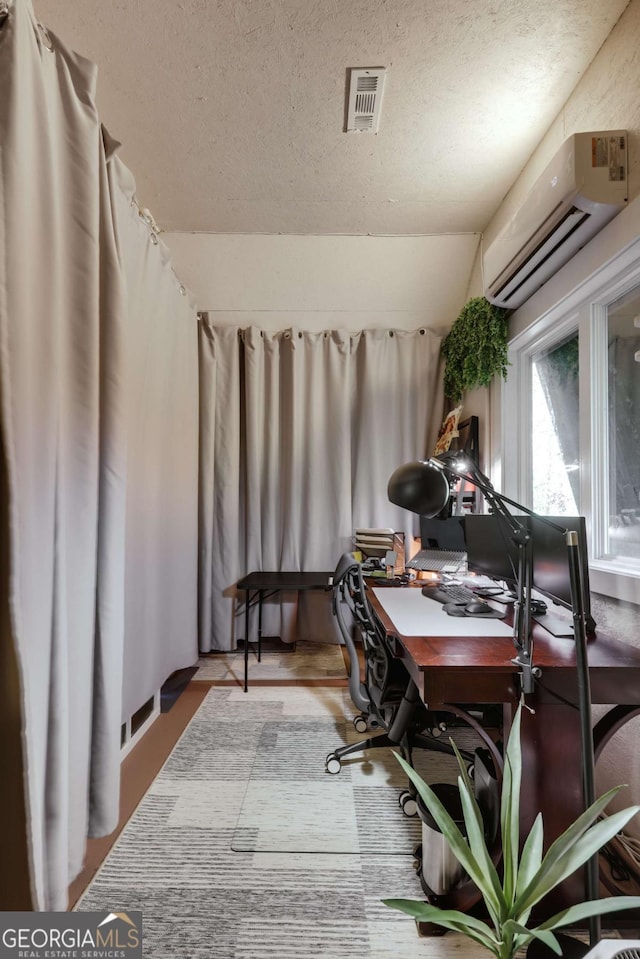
(584, 310)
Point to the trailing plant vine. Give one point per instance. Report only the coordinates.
(475, 348)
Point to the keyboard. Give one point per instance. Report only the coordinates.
(437, 560)
(449, 593)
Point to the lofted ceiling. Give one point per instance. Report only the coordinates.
(231, 112)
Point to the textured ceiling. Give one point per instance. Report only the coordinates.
(231, 112)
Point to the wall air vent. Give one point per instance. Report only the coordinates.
(366, 86)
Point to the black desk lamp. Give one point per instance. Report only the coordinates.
(423, 487)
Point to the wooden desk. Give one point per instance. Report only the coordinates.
(258, 586)
(470, 669)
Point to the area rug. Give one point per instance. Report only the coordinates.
(309, 661)
(200, 899)
(292, 804)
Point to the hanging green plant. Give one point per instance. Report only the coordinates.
(475, 348)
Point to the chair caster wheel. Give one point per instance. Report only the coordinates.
(332, 764)
(360, 723)
(408, 803)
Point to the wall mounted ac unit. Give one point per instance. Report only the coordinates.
(583, 187)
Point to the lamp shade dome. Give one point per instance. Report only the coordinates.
(419, 487)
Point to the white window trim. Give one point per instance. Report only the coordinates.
(583, 309)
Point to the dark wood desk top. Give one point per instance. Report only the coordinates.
(285, 580)
(462, 668)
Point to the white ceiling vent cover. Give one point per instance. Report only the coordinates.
(366, 86)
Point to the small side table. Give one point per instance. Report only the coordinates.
(258, 586)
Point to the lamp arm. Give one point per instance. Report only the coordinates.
(584, 703)
(478, 478)
(522, 607)
(522, 639)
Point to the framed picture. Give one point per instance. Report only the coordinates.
(448, 431)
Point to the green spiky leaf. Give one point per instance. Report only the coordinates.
(527, 877)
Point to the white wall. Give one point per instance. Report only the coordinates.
(606, 98)
(325, 282)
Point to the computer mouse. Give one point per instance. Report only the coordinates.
(478, 606)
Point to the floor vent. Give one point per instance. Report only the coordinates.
(366, 86)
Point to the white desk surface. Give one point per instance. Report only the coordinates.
(413, 614)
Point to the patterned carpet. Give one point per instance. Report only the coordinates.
(201, 899)
(307, 661)
(292, 805)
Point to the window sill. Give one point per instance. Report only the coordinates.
(616, 579)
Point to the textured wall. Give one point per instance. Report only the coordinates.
(231, 112)
(325, 282)
(606, 98)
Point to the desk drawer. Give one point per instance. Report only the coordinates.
(442, 685)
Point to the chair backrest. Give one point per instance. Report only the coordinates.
(344, 611)
(384, 678)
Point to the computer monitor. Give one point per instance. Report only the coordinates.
(551, 574)
(442, 533)
(492, 552)
(491, 549)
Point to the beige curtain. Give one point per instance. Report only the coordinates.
(62, 430)
(161, 605)
(67, 413)
(221, 486)
(300, 432)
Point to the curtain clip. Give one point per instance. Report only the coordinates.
(147, 216)
(46, 38)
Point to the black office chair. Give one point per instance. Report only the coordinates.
(386, 695)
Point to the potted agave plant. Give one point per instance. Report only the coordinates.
(527, 876)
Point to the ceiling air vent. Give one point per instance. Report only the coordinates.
(366, 86)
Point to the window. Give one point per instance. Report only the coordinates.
(571, 419)
(622, 531)
(554, 429)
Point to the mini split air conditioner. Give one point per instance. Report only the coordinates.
(583, 187)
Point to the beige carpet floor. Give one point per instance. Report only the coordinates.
(309, 661)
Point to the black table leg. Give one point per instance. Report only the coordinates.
(260, 595)
(247, 607)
